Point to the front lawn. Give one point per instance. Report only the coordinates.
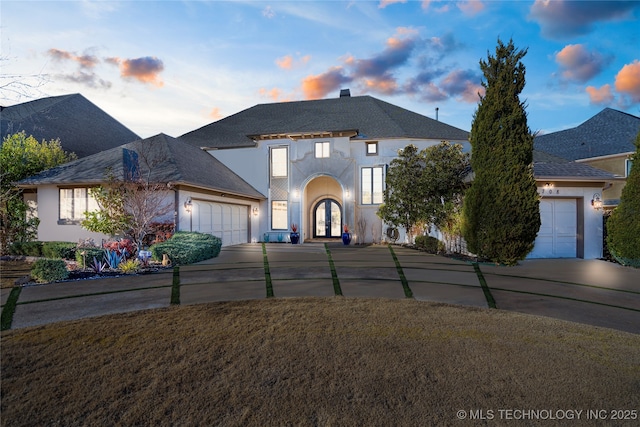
(313, 361)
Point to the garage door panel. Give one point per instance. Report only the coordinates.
(557, 237)
(227, 221)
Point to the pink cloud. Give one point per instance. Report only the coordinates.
(318, 86)
(471, 7)
(628, 80)
(288, 62)
(578, 64)
(85, 61)
(145, 70)
(215, 113)
(385, 3)
(561, 18)
(600, 96)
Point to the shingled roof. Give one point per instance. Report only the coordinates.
(608, 132)
(171, 160)
(370, 117)
(548, 166)
(81, 126)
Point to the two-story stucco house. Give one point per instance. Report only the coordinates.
(322, 163)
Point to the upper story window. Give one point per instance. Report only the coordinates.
(372, 185)
(372, 148)
(322, 149)
(279, 161)
(628, 163)
(74, 202)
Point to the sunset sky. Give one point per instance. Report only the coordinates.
(174, 66)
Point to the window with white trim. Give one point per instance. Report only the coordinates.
(279, 215)
(322, 149)
(74, 202)
(628, 164)
(279, 161)
(372, 184)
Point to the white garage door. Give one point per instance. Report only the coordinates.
(557, 237)
(227, 221)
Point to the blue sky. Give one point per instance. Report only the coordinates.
(174, 66)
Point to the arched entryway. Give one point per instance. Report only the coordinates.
(327, 219)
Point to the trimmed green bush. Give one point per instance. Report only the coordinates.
(63, 250)
(429, 244)
(89, 252)
(49, 270)
(187, 248)
(26, 249)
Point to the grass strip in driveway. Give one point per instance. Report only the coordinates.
(485, 288)
(405, 284)
(175, 286)
(6, 318)
(334, 275)
(267, 272)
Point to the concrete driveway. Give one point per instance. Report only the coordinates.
(587, 291)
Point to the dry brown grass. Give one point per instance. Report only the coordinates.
(334, 361)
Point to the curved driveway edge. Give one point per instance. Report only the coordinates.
(591, 292)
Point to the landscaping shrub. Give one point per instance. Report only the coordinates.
(49, 270)
(63, 250)
(121, 245)
(89, 253)
(26, 249)
(187, 248)
(429, 244)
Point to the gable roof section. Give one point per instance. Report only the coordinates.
(371, 117)
(607, 133)
(81, 126)
(548, 166)
(172, 161)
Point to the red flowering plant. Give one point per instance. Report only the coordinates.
(121, 247)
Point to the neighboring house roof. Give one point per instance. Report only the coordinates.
(168, 160)
(370, 117)
(81, 126)
(548, 166)
(607, 133)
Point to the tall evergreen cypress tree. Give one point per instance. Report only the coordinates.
(623, 227)
(501, 209)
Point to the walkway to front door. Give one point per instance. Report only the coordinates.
(327, 217)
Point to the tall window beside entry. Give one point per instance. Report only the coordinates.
(74, 202)
(372, 185)
(322, 149)
(279, 216)
(279, 160)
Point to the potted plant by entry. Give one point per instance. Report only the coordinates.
(294, 236)
(346, 236)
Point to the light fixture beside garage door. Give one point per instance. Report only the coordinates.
(188, 206)
(255, 211)
(596, 202)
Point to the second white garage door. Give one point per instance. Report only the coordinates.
(558, 233)
(227, 221)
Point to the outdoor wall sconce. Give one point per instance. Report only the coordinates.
(255, 211)
(548, 185)
(346, 193)
(188, 205)
(596, 202)
(296, 193)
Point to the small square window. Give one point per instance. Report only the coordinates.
(372, 148)
(322, 149)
